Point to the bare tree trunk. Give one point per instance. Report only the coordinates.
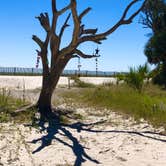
(44, 102)
(48, 85)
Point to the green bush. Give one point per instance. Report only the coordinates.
(136, 76)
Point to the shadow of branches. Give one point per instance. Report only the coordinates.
(54, 127)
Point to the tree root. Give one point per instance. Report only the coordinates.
(25, 108)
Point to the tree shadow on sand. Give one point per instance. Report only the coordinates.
(54, 127)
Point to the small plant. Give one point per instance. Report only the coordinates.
(135, 79)
(26, 116)
(8, 104)
(5, 94)
(136, 76)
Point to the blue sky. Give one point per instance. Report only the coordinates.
(123, 48)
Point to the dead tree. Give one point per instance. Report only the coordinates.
(61, 56)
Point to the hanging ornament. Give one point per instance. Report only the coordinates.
(38, 58)
(96, 66)
(97, 51)
(79, 66)
(96, 59)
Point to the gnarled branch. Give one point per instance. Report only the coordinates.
(102, 36)
(65, 25)
(84, 13)
(57, 13)
(38, 41)
(87, 31)
(54, 9)
(55, 16)
(90, 31)
(83, 55)
(60, 12)
(44, 21)
(76, 20)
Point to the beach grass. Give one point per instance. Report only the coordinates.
(8, 105)
(149, 105)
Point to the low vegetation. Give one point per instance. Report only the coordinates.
(149, 105)
(136, 77)
(8, 104)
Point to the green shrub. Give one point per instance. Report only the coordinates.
(136, 76)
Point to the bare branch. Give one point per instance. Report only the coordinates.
(81, 54)
(56, 14)
(94, 38)
(90, 31)
(44, 21)
(129, 20)
(64, 26)
(127, 9)
(84, 13)
(54, 9)
(102, 36)
(74, 56)
(87, 31)
(60, 12)
(38, 41)
(76, 30)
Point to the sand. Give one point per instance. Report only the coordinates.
(117, 142)
(33, 82)
(107, 139)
